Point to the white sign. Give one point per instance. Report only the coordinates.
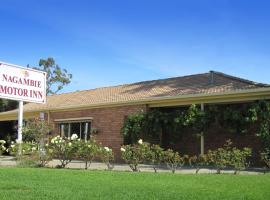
(22, 84)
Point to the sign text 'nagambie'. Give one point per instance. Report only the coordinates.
(23, 84)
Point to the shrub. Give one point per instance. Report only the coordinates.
(155, 156)
(36, 130)
(25, 153)
(218, 158)
(229, 156)
(198, 162)
(2, 146)
(64, 149)
(107, 156)
(239, 159)
(87, 151)
(30, 154)
(265, 156)
(135, 154)
(173, 159)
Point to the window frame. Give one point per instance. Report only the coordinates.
(81, 121)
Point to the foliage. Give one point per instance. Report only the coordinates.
(135, 154)
(57, 77)
(173, 159)
(261, 114)
(31, 153)
(228, 156)
(198, 162)
(36, 130)
(155, 156)
(87, 151)
(198, 119)
(265, 156)
(133, 127)
(107, 157)
(64, 149)
(6, 105)
(2, 146)
(239, 158)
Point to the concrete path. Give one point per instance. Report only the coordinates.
(9, 161)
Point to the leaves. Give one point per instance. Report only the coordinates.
(57, 77)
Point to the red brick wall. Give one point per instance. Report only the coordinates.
(108, 121)
(216, 137)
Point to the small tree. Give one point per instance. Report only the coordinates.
(64, 149)
(155, 156)
(36, 130)
(87, 151)
(198, 162)
(135, 154)
(229, 156)
(173, 159)
(107, 157)
(239, 159)
(221, 157)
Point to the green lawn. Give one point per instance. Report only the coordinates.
(24, 183)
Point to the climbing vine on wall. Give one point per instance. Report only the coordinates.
(235, 118)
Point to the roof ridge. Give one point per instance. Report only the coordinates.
(240, 79)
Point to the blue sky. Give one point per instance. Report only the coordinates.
(112, 42)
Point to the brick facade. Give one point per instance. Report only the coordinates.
(216, 137)
(108, 121)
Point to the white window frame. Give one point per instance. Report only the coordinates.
(69, 121)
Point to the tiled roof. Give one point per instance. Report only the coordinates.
(206, 83)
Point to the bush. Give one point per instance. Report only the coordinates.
(2, 146)
(36, 130)
(30, 154)
(64, 149)
(155, 156)
(265, 156)
(239, 159)
(173, 159)
(198, 162)
(135, 154)
(229, 156)
(107, 156)
(87, 151)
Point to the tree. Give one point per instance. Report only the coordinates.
(6, 105)
(57, 77)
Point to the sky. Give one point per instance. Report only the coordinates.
(111, 42)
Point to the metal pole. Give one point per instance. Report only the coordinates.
(20, 126)
(202, 134)
(20, 121)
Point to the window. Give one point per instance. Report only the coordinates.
(82, 129)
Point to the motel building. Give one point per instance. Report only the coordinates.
(105, 109)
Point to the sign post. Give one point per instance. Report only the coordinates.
(24, 85)
(20, 121)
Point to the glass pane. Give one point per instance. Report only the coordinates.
(85, 131)
(75, 129)
(64, 130)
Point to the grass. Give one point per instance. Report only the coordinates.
(34, 183)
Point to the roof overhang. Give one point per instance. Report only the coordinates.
(224, 97)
